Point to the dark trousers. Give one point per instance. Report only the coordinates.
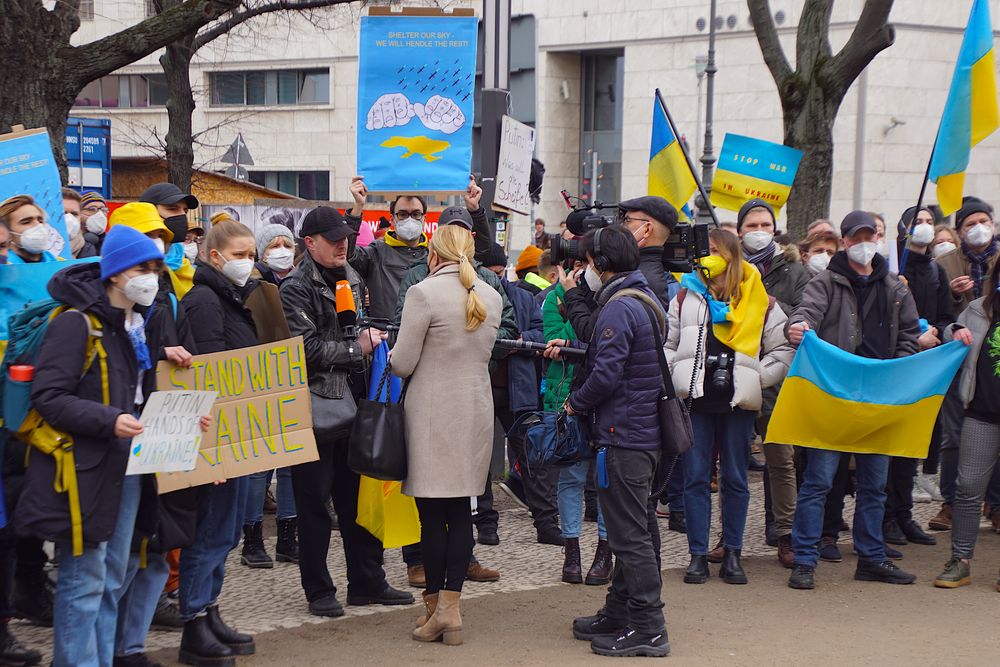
(313, 483)
(634, 595)
(899, 489)
(22, 559)
(446, 541)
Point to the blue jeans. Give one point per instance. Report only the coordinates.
(88, 590)
(569, 496)
(203, 564)
(673, 495)
(732, 432)
(257, 486)
(821, 466)
(137, 606)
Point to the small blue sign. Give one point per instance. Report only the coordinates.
(28, 168)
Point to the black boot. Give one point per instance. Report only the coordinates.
(201, 648)
(892, 533)
(677, 522)
(731, 570)
(600, 570)
(12, 653)
(697, 572)
(254, 554)
(572, 570)
(33, 598)
(240, 643)
(287, 550)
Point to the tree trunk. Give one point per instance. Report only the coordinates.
(810, 129)
(176, 63)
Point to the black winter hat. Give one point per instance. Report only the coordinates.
(971, 205)
(751, 205)
(496, 256)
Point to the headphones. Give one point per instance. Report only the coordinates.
(600, 261)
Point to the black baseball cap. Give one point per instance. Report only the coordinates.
(327, 222)
(456, 215)
(167, 194)
(655, 207)
(856, 220)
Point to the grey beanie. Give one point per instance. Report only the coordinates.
(271, 232)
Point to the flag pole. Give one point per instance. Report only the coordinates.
(916, 211)
(687, 158)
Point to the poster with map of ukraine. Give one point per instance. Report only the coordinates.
(416, 76)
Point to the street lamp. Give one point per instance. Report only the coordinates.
(700, 64)
(708, 156)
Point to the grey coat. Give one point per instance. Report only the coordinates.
(975, 320)
(449, 402)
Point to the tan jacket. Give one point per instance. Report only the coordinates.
(956, 264)
(449, 402)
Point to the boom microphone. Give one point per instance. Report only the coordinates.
(528, 346)
(347, 311)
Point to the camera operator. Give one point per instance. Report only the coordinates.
(620, 386)
(726, 342)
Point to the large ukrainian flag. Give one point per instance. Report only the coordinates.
(970, 114)
(669, 174)
(835, 400)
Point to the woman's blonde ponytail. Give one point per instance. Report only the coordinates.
(453, 243)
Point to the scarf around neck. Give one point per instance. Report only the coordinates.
(738, 325)
(978, 262)
(761, 258)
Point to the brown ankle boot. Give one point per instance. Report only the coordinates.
(716, 554)
(430, 604)
(943, 519)
(572, 569)
(445, 623)
(600, 571)
(785, 554)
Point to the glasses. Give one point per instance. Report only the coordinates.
(95, 209)
(402, 215)
(627, 220)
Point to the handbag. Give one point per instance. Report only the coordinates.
(676, 432)
(333, 417)
(377, 447)
(552, 438)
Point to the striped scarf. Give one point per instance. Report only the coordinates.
(978, 262)
(761, 258)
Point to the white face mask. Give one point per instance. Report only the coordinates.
(237, 270)
(863, 253)
(943, 248)
(160, 245)
(97, 223)
(72, 225)
(191, 251)
(923, 234)
(35, 240)
(409, 229)
(142, 289)
(280, 259)
(881, 248)
(819, 262)
(757, 241)
(593, 279)
(979, 235)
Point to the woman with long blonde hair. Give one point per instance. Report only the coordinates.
(446, 337)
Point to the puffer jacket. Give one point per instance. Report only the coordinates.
(785, 279)
(622, 377)
(975, 320)
(219, 308)
(750, 374)
(311, 310)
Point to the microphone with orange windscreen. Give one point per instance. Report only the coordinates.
(347, 311)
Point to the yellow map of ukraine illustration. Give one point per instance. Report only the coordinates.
(422, 146)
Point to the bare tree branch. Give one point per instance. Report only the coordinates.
(872, 35)
(237, 18)
(770, 45)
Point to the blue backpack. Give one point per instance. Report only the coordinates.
(552, 438)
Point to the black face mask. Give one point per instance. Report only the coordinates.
(178, 226)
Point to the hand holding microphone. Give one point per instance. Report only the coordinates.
(347, 318)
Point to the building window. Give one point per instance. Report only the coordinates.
(126, 91)
(270, 88)
(304, 184)
(601, 127)
(86, 10)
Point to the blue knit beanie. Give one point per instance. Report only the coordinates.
(124, 248)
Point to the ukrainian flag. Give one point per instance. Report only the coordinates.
(970, 114)
(835, 400)
(669, 174)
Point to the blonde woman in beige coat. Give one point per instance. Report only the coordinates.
(446, 337)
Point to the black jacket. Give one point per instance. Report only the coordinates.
(75, 405)
(928, 283)
(217, 305)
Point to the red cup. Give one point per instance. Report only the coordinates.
(22, 373)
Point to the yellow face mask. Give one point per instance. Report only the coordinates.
(714, 265)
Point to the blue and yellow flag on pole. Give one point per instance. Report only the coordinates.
(669, 174)
(970, 114)
(753, 169)
(835, 400)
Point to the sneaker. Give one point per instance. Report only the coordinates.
(942, 520)
(134, 660)
(489, 536)
(479, 572)
(915, 534)
(13, 653)
(956, 573)
(631, 643)
(928, 485)
(920, 495)
(587, 628)
(515, 491)
(892, 533)
(802, 578)
(167, 615)
(886, 572)
(388, 597)
(890, 553)
(551, 536)
(662, 511)
(829, 552)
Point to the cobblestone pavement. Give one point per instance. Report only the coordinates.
(257, 601)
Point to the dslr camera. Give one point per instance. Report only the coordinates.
(720, 370)
(687, 243)
(579, 222)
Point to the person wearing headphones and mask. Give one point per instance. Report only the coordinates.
(973, 260)
(173, 206)
(29, 231)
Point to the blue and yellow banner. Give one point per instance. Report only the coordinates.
(835, 400)
(970, 114)
(669, 174)
(753, 169)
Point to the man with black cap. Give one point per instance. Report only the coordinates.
(173, 205)
(968, 265)
(333, 359)
(862, 308)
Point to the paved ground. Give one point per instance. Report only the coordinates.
(523, 618)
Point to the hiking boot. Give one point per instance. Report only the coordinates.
(328, 605)
(731, 571)
(785, 554)
(287, 549)
(489, 537)
(942, 520)
(587, 628)
(479, 572)
(416, 577)
(915, 534)
(886, 572)
(829, 551)
(677, 522)
(572, 569)
(802, 578)
(892, 533)
(716, 554)
(240, 643)
(254, 555)
(12, 653)
(956, 573)
(697, 571)
(551, 536)
(600, 570)
(631, 643)
(167, 615)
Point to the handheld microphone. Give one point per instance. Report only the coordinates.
(528, 346)
(347, 311)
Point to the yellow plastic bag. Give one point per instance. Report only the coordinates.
(387, 514)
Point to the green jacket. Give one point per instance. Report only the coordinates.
(559, 376)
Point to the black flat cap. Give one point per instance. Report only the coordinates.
(657, 208)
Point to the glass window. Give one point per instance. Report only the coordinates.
(86, 10)
(110, 91)
(227, 88)
(90, 96)
(138, 88)
(288, 83)
(314, 185)
(271, 88)
(255, 87)
(314, 86)
(158, 92)
(288, 181)
(601, 136)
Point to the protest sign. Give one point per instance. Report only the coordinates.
(753, 169)
(28, 168)
(415, 102)
(171, 433)
(262, 418)
(20, 284)
(517, 145)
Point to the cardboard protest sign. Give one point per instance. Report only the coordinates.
(415, 102)
(171, 433)
(517, 145)
(753, 169)
(262, 418)
(28, 168)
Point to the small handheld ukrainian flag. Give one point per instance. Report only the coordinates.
(669, 174)
(835, 400)
(970, 114)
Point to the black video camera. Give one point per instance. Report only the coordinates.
(687, 243)
(720, 368)
(578, 222)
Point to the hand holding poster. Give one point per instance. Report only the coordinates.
(263, 416)
(753, 169)
(517, 145)
(171, 433)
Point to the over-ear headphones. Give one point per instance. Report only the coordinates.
(600, 261)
